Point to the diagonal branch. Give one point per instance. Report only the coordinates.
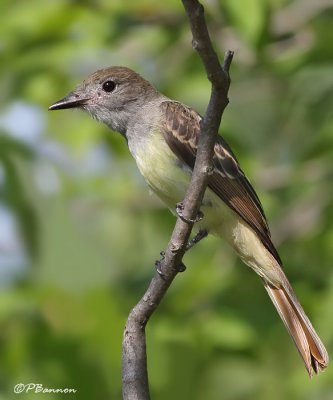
(134, 357)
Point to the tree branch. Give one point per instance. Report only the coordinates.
(134, 358)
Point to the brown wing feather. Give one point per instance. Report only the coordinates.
(181, 127)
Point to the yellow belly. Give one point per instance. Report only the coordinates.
(162, 171)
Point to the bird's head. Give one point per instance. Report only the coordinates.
(112, 95)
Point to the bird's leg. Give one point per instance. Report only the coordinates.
(196, 239)
(179, 211)
(181, 267)
(202, 233)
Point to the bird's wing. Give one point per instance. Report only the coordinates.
(180, 127)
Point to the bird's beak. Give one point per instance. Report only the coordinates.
(72, 100)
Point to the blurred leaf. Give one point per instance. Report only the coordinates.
(11, 146)
(14, 196)
(227, 331)
(249, 17)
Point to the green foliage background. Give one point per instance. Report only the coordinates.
(79, 232)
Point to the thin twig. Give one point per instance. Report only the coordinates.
(134, 358)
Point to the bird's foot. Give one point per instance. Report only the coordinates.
(158, 263)
(196, 239)
(179, 211)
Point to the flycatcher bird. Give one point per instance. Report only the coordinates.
(162, 136)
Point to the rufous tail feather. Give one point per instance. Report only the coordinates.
(307, 341)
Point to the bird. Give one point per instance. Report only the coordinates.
(162, 136)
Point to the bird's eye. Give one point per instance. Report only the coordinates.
(109, 86)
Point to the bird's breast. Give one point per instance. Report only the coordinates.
(165, 174)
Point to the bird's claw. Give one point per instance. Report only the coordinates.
(179, 211)
(158, 263)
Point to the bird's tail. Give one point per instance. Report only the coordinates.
(307, 341)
